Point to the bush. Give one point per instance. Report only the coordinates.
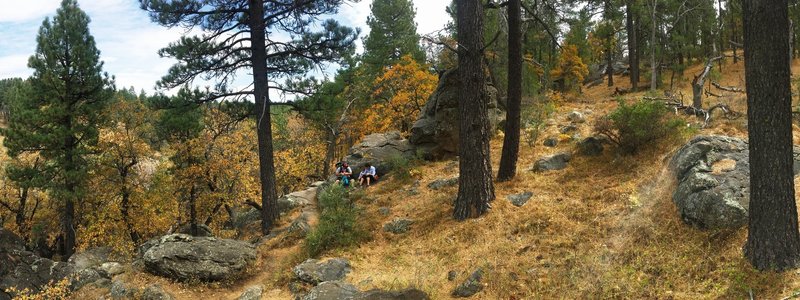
(400, 166)
(632, 127)
(534, 119)
(338, 222)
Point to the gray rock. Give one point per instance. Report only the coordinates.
(252, 293)
(568, 128)
(89, 258)
(297, 199)
(591, 146)
(576, 117)
(435, 133)
(183, 257)
(551, 142)
(384, 211)
(23, 269)
(86, 276)
(300, 225)
(520, 199)
(471, 286)
(552, 162)
(407, 294)
(452, 275)
(111, 269)
(398, 226)
(443, 183)
(332, 290)
(314, 271)
(202, 230)
(121, 291)
(379, 149)
(155, 292)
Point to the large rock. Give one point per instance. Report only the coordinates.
(713, 174)
(314, 271)
(435, 133)
(252, 293)
(297, 199)
(22, 269)
(378, 149)
(183, 257)
(338, 290)
(552, 162)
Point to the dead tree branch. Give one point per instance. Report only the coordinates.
(732, 89)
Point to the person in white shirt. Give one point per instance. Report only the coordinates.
(368, 175)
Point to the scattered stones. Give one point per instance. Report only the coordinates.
(442, 183)
(314, 271)
(252, 293)
(520, 199)
(398, 226)
(568, 128)
(435, 133)
(552, 162)
(120, 291)
(471, 286)
(155, 292)
(551, 142)
(183, 257)
(591, 146)
(576, 117)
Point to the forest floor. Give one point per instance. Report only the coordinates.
(604, 227)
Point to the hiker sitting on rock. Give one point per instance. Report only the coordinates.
(368, 175)
(343, 173)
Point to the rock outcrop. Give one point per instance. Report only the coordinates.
(713, 174)
(378, 149)
(338, 290)
(314, 271)
(183, 257)
(22, 269)
(435, 133)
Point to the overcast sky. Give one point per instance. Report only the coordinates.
(129, 42)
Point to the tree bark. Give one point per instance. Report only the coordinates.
(633, 48)
(653, 66)
(266, 160)
(609, 46)
(475, 186)
(699, 81)
(510, 154)
(773, 241)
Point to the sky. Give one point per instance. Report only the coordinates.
(129, 42)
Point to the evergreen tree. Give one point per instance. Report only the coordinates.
(773, 240)
(60, 116)
(392, 34)
(508, 159)
(475, 186)
(243, 35)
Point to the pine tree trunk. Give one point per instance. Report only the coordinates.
(653, 66)
(633, 49)
(475, 186)
(508, 159)
(773, 241)
(266, 160)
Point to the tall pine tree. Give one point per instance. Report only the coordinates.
(60, 116)
(243, 36)
(393, 34)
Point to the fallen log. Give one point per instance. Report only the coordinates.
(732, 89)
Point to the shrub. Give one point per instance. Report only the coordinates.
(534, 119)
(338, 222)
(400, 166)
(632, 127)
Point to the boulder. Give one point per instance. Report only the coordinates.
(110, 269)
(202, 230)
(121, 291)
(520, 199)
(576, 117)
(550, 142)
(23, 269)
(398, 226)
(155, 292)
(314, 271)
(297, 199)
(713, 174)
(183, 257)
(552, 162)
(591, 146)
(378, 149)
(333, 290)
(471, 286)
(252, 293)
(89, 258)
(435, 133)
(407, 294)
(568, 128)
(443, 183)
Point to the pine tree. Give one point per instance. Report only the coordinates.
(508, 159)
(393, 34)
(475, 186)
(773, 240)
(60, 117)
(243, 36)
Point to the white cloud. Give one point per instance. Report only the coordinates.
(14, 66)
(22, 11)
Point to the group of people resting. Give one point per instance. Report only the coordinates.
(344, 173)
